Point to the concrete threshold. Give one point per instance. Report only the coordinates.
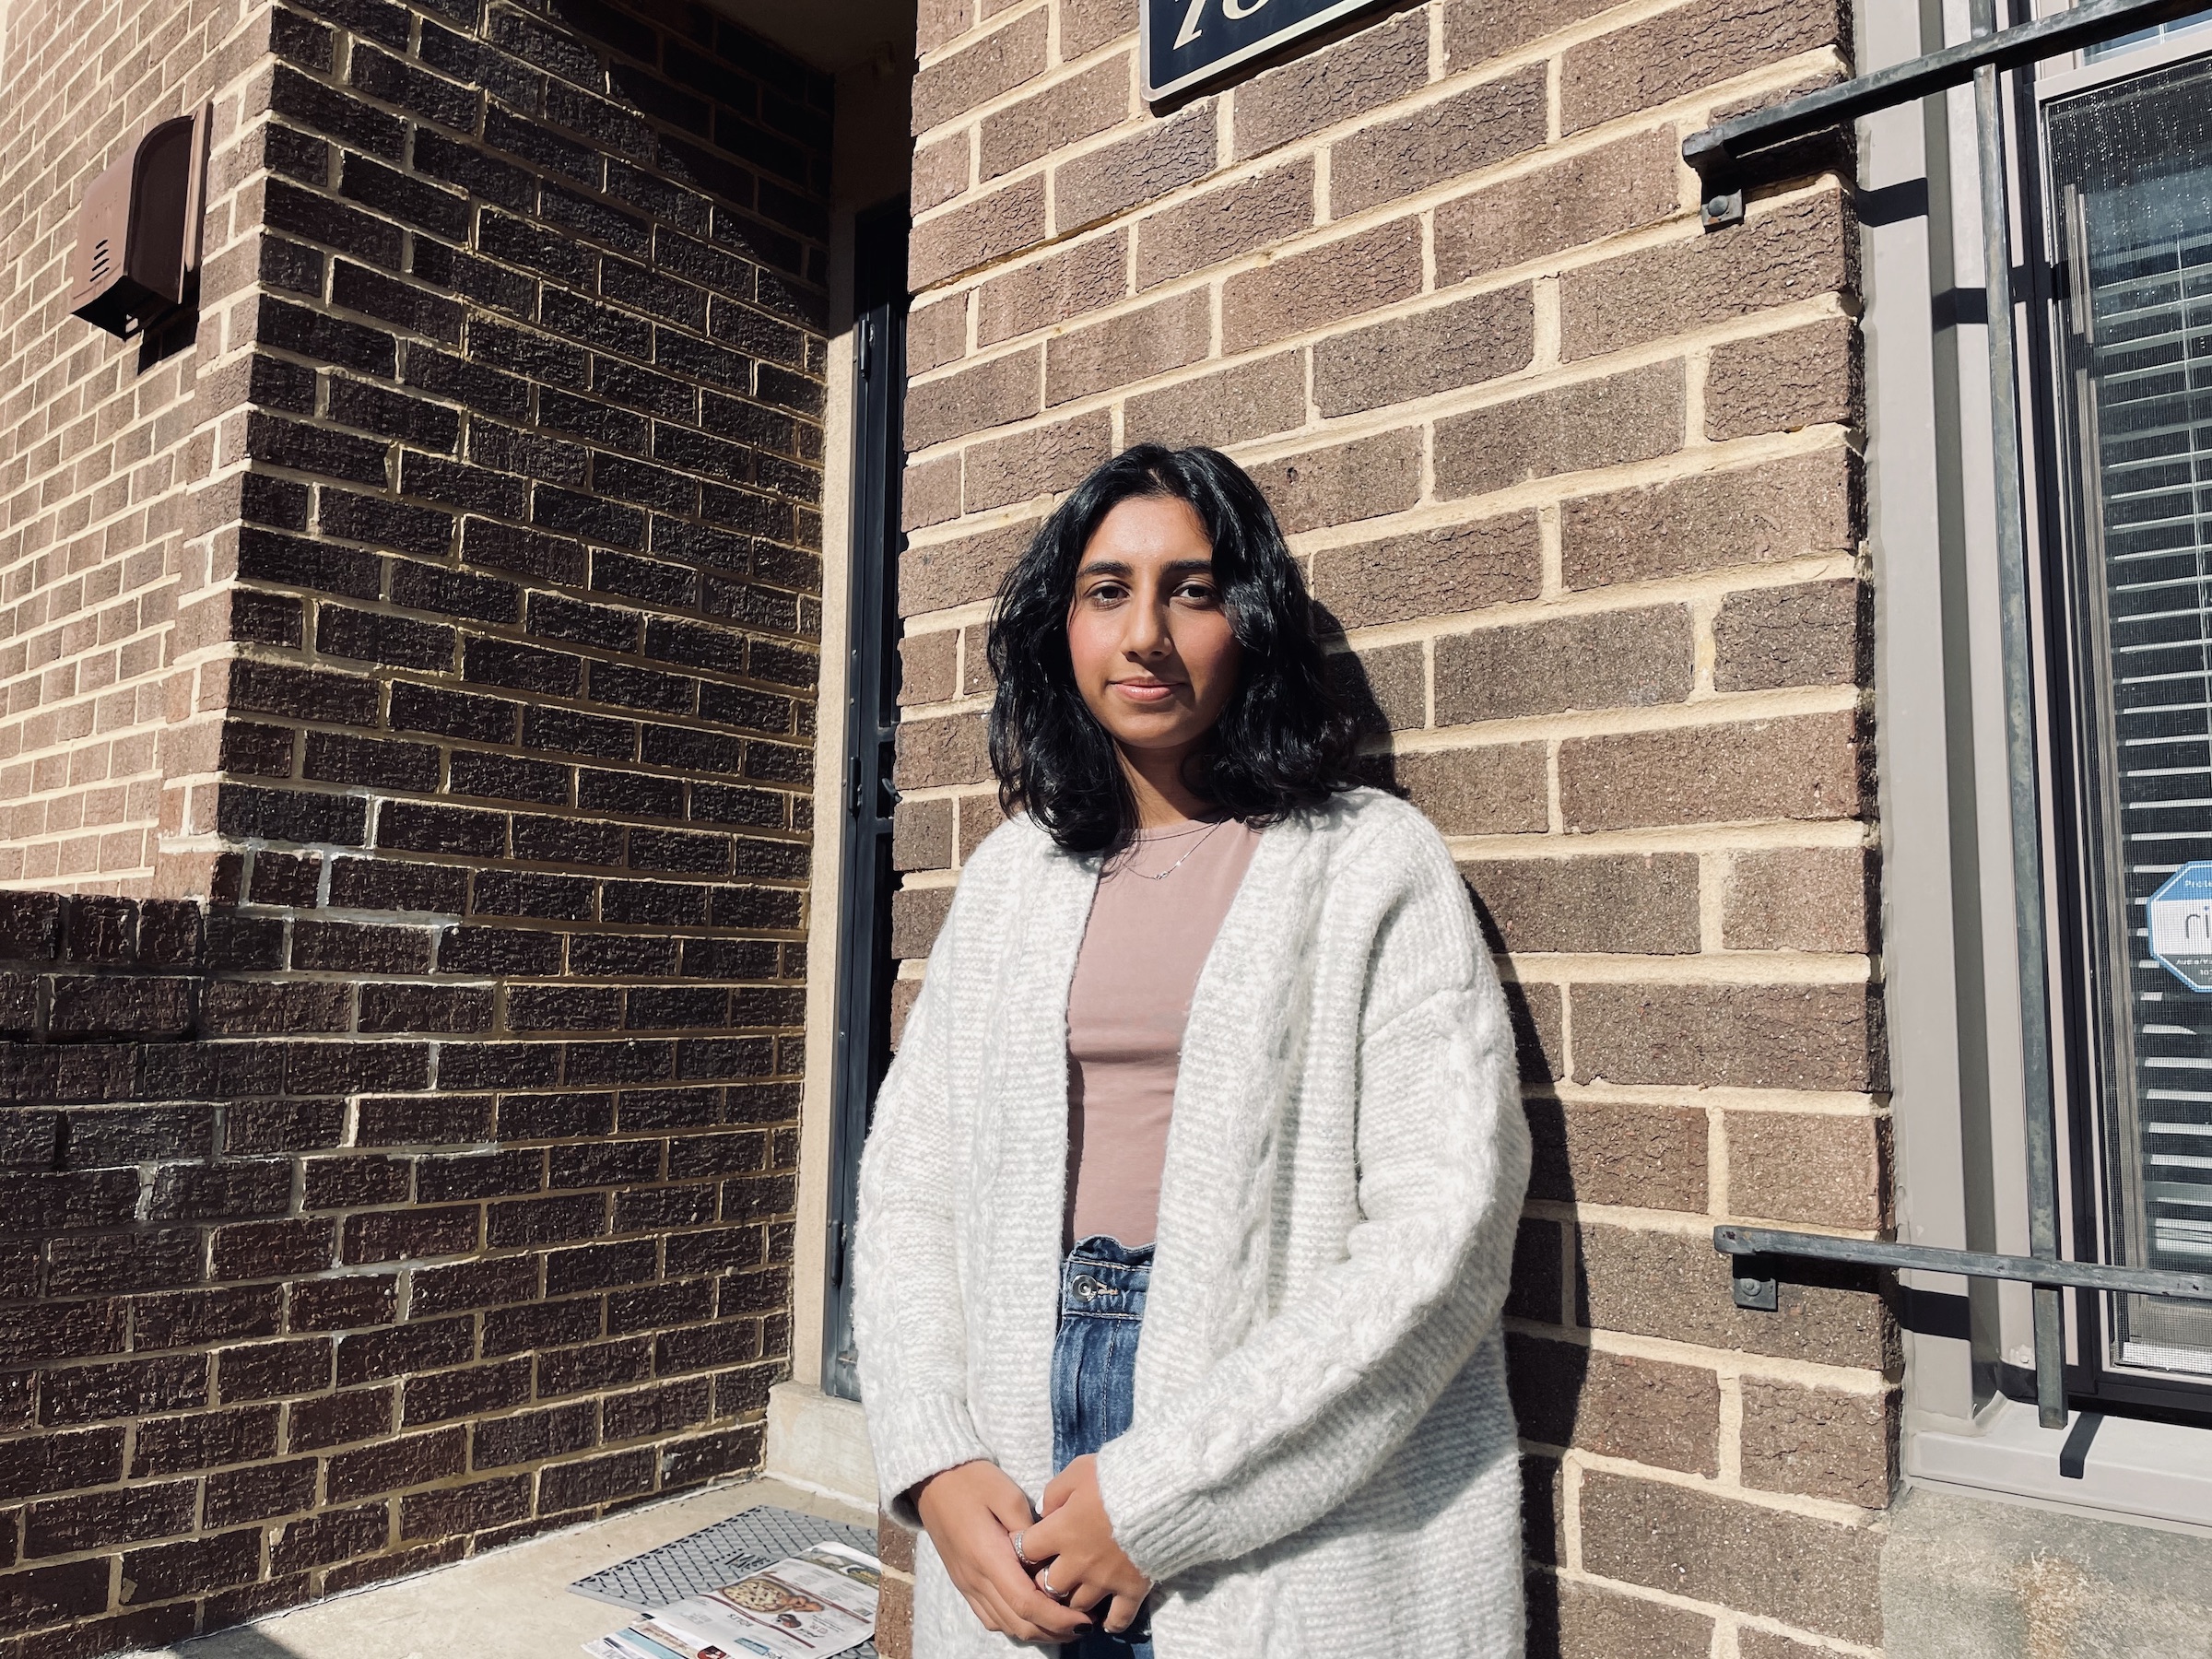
(512, 1604)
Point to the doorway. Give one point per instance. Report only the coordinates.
(865, 970)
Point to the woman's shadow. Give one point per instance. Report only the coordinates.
(1546, 1378)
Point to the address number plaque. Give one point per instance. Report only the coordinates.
(1187, 42)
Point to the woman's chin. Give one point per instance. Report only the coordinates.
(1171, 730)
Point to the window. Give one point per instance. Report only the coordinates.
(2081, 589)
(2164, 31)
(2130, 193)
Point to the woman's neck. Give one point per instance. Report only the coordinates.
(1156, 780)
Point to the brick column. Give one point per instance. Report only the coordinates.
(1579, 485)
(407, 1150)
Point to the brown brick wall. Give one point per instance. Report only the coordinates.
(1578, 483)
(403, 1162)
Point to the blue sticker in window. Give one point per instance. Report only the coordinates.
(2181, 924)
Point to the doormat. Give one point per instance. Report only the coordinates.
(717, 1555)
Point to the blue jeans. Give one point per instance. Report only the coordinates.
(1103, 1286)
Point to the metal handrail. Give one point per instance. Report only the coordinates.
(1756, 1248)
(1722, 154)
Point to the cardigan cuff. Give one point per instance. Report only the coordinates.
(915, 1438)
(1159, 1525)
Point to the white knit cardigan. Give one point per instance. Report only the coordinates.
(1321, 1459)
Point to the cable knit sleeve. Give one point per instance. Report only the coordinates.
(907, 1314)
(1281, 1429)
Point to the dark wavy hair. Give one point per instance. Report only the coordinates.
(1280, 746)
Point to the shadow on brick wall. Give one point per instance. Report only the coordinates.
(90, 967)
(1549, 1377)
(1352, 684)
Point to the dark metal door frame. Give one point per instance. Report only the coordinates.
(865, 971)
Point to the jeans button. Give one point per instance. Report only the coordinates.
(1087, 1288)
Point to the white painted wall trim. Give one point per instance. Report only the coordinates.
(2144, 1473)
(818, 1109)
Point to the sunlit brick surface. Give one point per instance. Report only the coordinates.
(1578, 487)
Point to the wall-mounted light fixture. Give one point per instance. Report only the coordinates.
(138, 254)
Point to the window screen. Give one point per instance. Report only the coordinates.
(2131, 167)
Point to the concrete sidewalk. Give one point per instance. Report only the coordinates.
(513, 1603)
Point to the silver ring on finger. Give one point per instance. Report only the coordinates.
(1044, 1582)
(1021, 1555)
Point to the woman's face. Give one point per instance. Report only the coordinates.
(1154, 655)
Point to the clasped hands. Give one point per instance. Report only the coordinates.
(973, 1513)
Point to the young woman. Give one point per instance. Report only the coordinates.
(1188, 1211)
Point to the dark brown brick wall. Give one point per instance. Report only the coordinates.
(407, 1163)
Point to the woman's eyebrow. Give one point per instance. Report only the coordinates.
(1116, 567)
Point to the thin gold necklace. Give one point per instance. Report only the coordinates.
(1163, 875)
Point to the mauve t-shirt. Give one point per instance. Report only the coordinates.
(1142, 949)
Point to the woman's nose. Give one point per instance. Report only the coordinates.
(1147, 634)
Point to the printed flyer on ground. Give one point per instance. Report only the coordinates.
(804, 1607)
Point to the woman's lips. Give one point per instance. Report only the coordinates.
(1145, 691)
